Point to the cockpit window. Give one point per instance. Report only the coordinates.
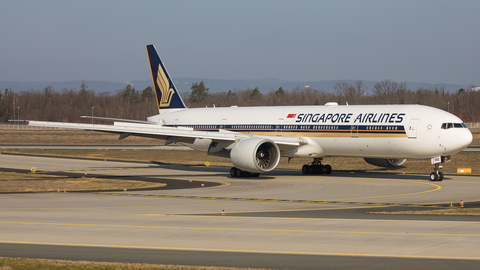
(453, 125)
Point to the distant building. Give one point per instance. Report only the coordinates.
(475, 89)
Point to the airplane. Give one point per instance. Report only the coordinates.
(254, 138)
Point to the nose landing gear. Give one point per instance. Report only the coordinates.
(316, 167)
(437, 175)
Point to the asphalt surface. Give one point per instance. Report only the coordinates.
(170, 183)
(229, 259)
(281, 220)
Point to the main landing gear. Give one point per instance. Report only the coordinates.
(316, 167)
(437, 175)
(234, 172)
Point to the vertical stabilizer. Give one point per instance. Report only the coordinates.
(165, 91)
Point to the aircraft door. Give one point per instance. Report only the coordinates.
(278, 129)
(354, 130)
(224, 124)
(412, 128)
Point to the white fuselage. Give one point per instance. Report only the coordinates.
(374, 131)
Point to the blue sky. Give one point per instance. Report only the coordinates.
(430, 41)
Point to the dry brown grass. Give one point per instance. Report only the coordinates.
(17, 182)
(438, 212)
(195, 158)
(476, 136)
(40, 136)
(26, 264)
(461, 160)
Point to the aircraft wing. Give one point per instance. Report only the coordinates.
(170, 134)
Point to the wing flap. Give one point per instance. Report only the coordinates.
(169, 133)
(142, 129)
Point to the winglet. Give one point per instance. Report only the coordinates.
(165, 90)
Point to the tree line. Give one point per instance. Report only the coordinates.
(128, 103)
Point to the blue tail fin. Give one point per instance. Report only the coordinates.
(165, 91)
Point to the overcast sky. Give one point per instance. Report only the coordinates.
(415, 41)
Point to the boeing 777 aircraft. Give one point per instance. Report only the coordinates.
(255, 138)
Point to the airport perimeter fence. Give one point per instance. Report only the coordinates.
(473, 125)
(24, 126)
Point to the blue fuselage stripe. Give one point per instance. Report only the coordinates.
(364, 129)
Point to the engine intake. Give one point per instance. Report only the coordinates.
(389, 162)
(255, 155)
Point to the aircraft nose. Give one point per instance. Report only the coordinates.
(465, 138)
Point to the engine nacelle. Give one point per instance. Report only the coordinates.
(389, 162)
(255, 155)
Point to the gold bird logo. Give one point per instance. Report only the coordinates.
(164, 87)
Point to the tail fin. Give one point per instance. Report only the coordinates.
(165, 91)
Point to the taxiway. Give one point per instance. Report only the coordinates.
(280, 220)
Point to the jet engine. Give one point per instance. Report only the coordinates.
(389, 162)
(255, 155)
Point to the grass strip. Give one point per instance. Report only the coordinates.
(197, 158)
(20, 182)
(27, 264)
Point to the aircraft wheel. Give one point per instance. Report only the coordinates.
(255, 174)
(327, 169)
(305, 169)
(233, 172)
(433, 176)
(239, 173)
(321, 169)
(440, 176)
(317, 169)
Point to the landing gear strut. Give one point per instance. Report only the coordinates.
(437, 175)
(234, 172)
(316, 167)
